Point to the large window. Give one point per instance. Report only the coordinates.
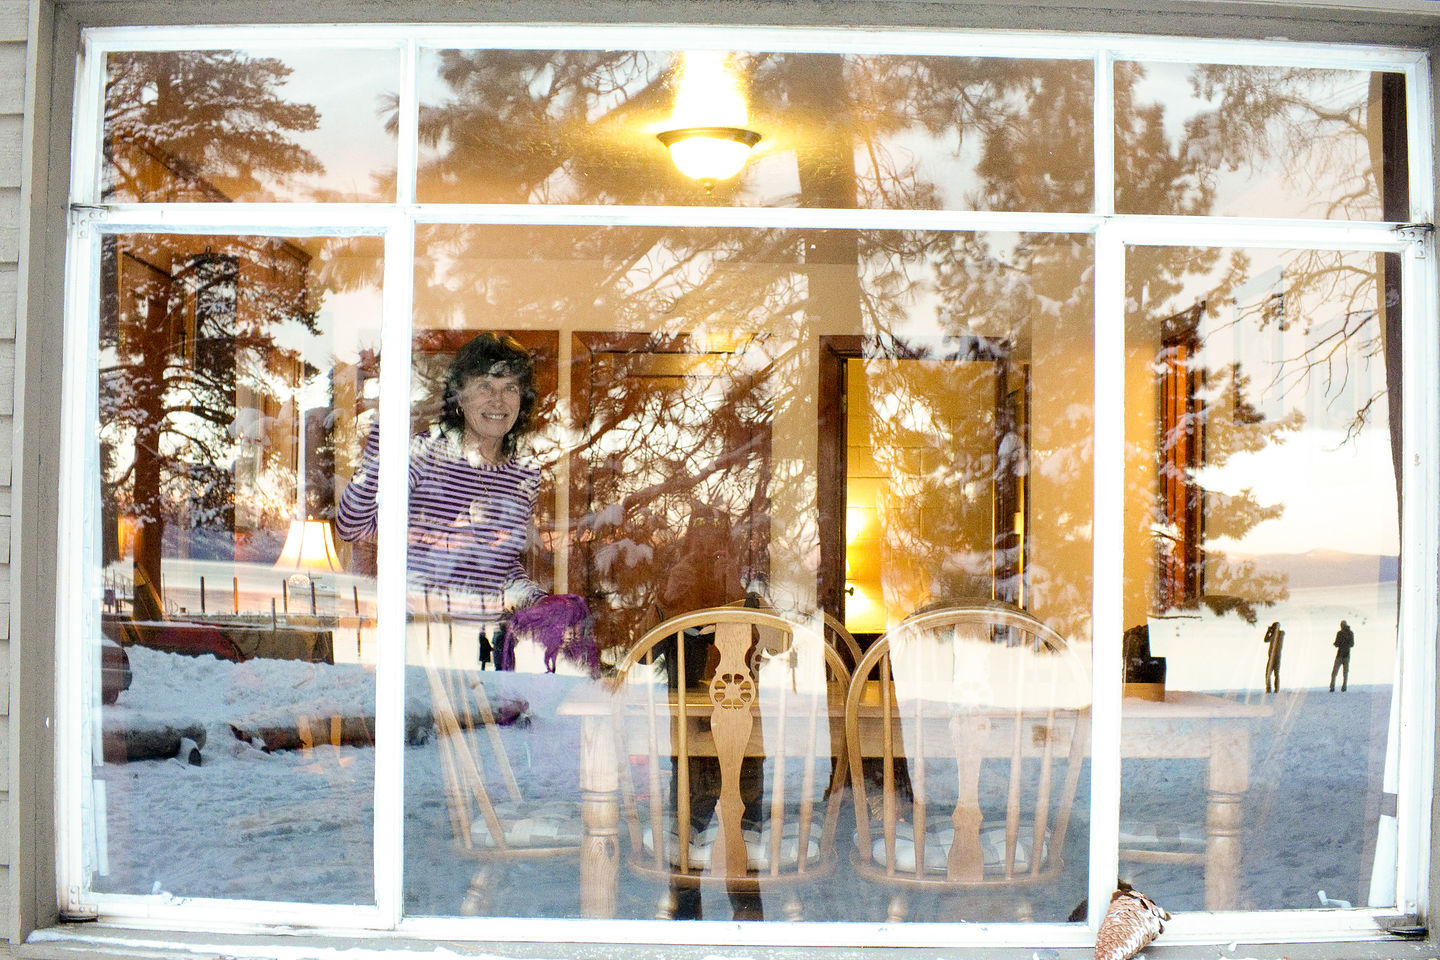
(993, 492)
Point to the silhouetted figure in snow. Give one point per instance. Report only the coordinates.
(1275, 639)
(1344, 640)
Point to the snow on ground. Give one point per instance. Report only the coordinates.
(296, 824)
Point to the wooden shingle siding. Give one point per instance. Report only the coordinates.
(12, 64)
(9, 215)
(14, 31)
(10, 151)
(9, 303)
(14, 21)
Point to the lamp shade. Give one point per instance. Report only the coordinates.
(309, 545)
(709, 154)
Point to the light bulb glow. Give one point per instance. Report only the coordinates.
(708, 139)
(709, 154)
(855, 520)
(708, 91)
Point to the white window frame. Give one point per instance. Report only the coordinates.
(396, 222)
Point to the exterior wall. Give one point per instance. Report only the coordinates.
(14, 29)
(34, 127)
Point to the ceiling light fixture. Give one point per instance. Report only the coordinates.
(709, 154)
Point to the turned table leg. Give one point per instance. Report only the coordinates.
(600, 819)
(1225, 815)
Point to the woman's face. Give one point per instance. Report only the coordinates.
(490, 405)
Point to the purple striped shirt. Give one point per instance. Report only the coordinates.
(469, 526)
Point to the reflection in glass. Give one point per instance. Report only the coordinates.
(967, 745)
(249, 125)
(680, 439)
(735, 773)
(937, 464)
(482, 607)
(1262, 535)
(686, 440)
(1259, 141)
(234, 686)
(851, 130)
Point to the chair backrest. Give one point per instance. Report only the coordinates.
(978, 724)
(729, 773)
(834, 630)
(839, 637)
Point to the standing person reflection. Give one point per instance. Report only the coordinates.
(1344, 640)
(1275, 639)
(472, 499)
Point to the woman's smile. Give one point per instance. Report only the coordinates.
(491, 406)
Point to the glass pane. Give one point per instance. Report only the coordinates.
(1261, 577)
(683, 454)
(836, 130)
(236, 657)
(986, 767)
(936, 462)
(1258, 141)
(249, 125)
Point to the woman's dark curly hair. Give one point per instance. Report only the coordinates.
(493, 355)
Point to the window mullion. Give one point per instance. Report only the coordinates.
(407, 118)
(394, 414)
(1108, 574)
(1420, 517)
(85, 133)
(1419, 133)
(1104, 134)
(77, 622)
(276, 219)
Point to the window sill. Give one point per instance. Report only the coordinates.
(90, 940)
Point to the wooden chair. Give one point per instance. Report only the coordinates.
(835, 632)
(987, 710)
(839, 637)
(490, 829)
(728, 779)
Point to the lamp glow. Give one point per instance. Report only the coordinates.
(309, 545)
(708, 137)
(309, 549)
(855, 519)
(709, 154)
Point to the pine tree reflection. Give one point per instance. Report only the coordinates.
(695, 347)
(192, 382)
(863, 131)
(205, 125)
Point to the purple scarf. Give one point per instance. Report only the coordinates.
(561, 625)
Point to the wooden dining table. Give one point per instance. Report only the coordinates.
(1182, 725)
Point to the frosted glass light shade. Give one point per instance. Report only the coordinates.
(309, 545)
(709, 154)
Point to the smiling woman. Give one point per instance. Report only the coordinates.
(472, 502)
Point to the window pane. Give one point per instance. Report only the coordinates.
(241, 125)
(1262, 544)
(837, 130)
(675, 464)
(1258, 141)
(236, 682)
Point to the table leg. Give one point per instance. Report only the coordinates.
(600, 819)
(1225, 816)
